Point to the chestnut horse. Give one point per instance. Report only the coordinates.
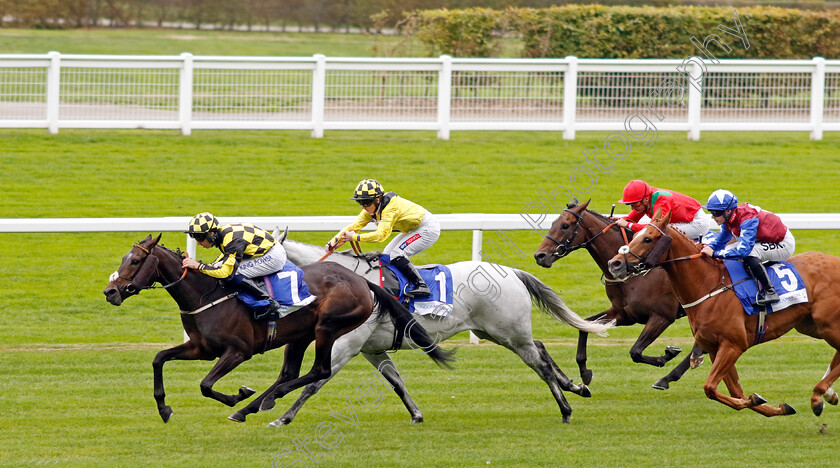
(717, 319)
(646, 299)
(219, 327)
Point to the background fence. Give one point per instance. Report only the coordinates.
(442, 94)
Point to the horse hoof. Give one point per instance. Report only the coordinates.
(787, 409)
(584, 391)
(831, 400)
(660, 384)
(567, 418)
(267, 404)
(818, 408)
(166, 414)
(756, 399)
(245, 392)
(237, 417)
(279, 422)
(672, 351)
(586, 376)
(417, 419)
(695, 363)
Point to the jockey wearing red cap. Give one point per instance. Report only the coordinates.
(643, 199)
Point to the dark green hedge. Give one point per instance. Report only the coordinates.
(595, 31)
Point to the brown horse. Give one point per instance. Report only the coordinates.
(219, 327)
(646, 299)
(717, 319)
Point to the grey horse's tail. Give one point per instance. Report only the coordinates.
(405, 323)
(549, 302)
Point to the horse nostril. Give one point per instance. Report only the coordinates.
(539, 255)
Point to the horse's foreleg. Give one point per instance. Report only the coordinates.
(758, 403)
(825, 384)
(654, 327)
(186, 351)
(564, 381)
(292, 360)
(530, 354)
(724, 360)
(390, 371)
(228, 361)
(320, 370)
(682, 367)
(580, 357)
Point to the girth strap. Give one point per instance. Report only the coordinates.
(207, 306)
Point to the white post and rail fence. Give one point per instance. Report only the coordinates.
(444, 94)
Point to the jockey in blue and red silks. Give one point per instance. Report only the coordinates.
(643, 199)
(762, 237)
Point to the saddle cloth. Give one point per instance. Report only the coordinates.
(785, 279)
(437, 277)
(287, 287)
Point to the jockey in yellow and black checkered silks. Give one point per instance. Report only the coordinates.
(247, 252)
(418, 229)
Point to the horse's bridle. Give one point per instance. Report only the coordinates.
(131, 288)
(565, 248)
(643, 267)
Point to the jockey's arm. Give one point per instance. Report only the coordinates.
(362, 220)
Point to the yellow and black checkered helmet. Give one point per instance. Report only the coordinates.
(203, 223)
(368, 189)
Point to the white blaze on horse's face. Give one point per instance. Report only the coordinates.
(624, 250)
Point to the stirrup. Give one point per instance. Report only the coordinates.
(767, 297)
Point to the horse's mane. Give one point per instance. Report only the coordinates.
(608, 221)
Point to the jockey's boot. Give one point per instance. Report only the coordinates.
(766, 293)
(250, 286)
(413, 276)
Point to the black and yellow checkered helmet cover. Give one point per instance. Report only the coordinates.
(203, 223)
(368, 189)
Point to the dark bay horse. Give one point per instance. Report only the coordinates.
(219, 326)
(717, 319)
(646, 299)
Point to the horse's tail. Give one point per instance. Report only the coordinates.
(405, 323)
(549, 302)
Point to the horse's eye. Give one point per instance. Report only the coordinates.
(565, 226)
(135, 261)
(647, 240)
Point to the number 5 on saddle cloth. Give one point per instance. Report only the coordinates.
(437, 277)
(783, 276)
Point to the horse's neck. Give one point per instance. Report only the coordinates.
(606, 245)
(304, 254)
(190, 291)
(690, 278)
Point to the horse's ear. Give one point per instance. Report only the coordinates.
(585, 204)
(155, 240)
(572, 203)
(667, 219)
(657, 215)
(285, 235)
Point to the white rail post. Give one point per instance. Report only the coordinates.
(444, 104)
(817, 98)
(570, 98)
(319, 91)
(191, 245)
(53, 91)
(476, 256)
(185, 94)
(695, 100)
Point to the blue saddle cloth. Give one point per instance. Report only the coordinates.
(785, 279)
(286, 286)
(439, 281)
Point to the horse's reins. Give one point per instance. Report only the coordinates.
(566, 246)
(151, 286)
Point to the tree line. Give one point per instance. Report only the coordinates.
(322, 15)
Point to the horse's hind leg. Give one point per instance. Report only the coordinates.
(389, 370)
(830, 396)
(226, 363)
(292, 360)
(565, 382)
(824, 385)
(185, 352)
(677, 372)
